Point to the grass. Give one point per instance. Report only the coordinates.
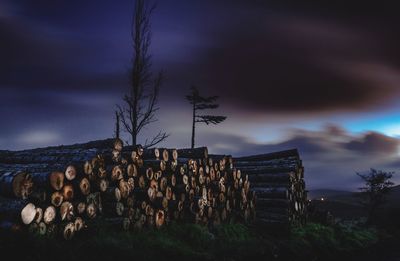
(194, 242)
(315, 241)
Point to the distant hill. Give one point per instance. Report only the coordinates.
(329, 194)
(394, 197)
(343, 203)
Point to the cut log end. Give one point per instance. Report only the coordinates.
(66, 211)
(160, 218)
(91, 211)
(28, 214)
(79, 224)
(68, 192)
(57, 198)
(70, 172)
(84, 186)
(49, 215)
(39, 215)
(69, 231)
(57, 180)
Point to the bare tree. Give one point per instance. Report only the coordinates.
(140, 104)
(117, 128)
(377, 186)
(202, 103)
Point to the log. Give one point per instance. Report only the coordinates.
(159, 218)
(251, 170)
(271, 177)
(54, 179)
(68, 192)
(66, 211)
(156, 165)
(57, 198)
(49, 215)
(91, 210)
(102, 184)
(20, 210)
(70, 172)
(61, 154)
(117, 172)
(80, 207)
(132, 170)
(113, 209)
(84, 186)
(10, 226)
(95, 200)
(265, 203)
(151, 154)
(118, 144)
(16, 184)
(112, 194)
(281, 154)
(79, 224)
(68, 231)
(272, 192)
(196, 153)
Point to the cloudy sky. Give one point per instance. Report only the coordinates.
(323, 78)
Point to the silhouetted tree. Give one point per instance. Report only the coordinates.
(117, 128)
(140, 104)
(377, 186)
(202, 103)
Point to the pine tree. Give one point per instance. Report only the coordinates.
(202, 103)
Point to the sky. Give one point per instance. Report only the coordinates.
(320, 77)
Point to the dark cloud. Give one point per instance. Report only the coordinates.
(260, 56)
(268, 62)
(331, 159)
(373, 142)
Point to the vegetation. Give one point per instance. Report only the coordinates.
(200, 103)
(377, 186)
(189, 241)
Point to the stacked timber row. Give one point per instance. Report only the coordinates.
(193, 188)
(278, 181)
(60, 192)
(54, 203)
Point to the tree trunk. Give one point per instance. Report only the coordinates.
(193, 123)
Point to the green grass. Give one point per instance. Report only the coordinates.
(316, 241)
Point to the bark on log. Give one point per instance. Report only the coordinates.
(271, 177)
(272, 192)
(18, 210)
(16, 184)
(54, 179)
(281, 154)
(196, 153)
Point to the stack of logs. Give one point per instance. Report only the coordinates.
(278, 181)
(129, 186)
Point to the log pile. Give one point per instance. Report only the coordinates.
(59, 191)
(278, 181)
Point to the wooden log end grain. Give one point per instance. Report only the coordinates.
(70, 172)
(69, 231)
(49, 214)
(28, 213)
(159, 218)
(84, 186)
(79, 224)
(57, 180)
